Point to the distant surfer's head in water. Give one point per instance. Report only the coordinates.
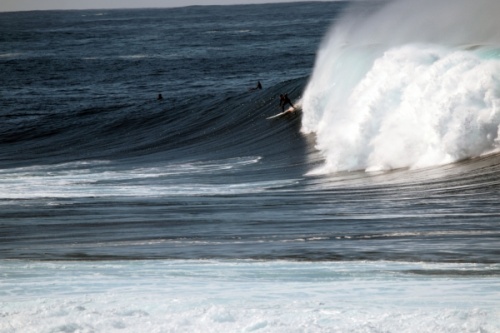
(258, 87)
(160, 97)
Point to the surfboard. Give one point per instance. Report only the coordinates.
(290, 110)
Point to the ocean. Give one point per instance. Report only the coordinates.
(373, 207)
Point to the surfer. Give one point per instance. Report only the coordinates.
(259, 86)
(160, 97)
(284, 100)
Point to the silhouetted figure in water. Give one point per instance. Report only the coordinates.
(284, 100)
(259, 86)
(160, 97)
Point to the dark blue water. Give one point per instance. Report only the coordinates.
(93, 167)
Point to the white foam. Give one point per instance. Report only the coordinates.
(247, 296)
(11, 55)
(100, 179)
(389, 94)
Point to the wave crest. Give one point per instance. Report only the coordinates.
(396, 105)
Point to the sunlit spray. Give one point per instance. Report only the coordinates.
(407, 85)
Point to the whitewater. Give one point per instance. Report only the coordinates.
(240, 296)
(412, 85)
(372, 208)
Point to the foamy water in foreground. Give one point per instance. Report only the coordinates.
(248, 296)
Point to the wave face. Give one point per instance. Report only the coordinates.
(407, 85)
(73, 92)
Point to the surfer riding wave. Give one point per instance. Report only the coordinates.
(284, 100)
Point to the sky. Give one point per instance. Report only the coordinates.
(20, 5)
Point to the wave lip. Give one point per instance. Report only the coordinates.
(402, 104)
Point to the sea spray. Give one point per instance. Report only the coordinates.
(407, 86)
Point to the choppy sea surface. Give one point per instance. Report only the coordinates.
(371, 208)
